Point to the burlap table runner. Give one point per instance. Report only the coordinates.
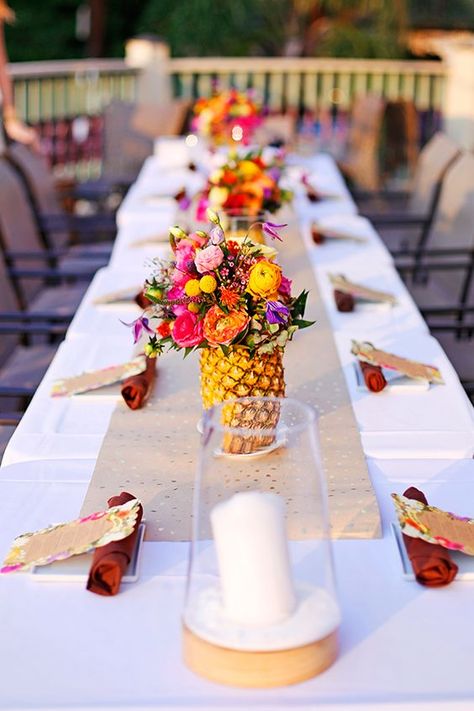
(153, 452)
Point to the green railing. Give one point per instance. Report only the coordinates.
(52, 95)
(313, 84)
(46, 91)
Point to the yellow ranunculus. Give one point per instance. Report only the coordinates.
(218, 196)
(248, 169)
(264, 279)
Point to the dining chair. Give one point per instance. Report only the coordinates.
(23, 360)
(444, 265)
(402, 218)
(30, 264)
(129, 130)
(361, 160)
(58, 228)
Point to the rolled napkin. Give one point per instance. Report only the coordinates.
(136, 389)
(431, 563)
(111, 561)
(312, 195)
(373, 376)
(142, 300)
(317, 236)
(344, 301)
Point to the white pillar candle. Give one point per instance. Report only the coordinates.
(252, 552)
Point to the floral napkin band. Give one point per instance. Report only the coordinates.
(434, 525)
(96, 379)
(368, 353)
(358, 291)
(73, 538)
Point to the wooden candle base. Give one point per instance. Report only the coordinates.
(258, 669)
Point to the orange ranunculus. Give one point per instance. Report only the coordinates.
(220, 328)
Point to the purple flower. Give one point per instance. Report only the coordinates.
(274, 173)
(138, 326)
(184, 203)
(270, 228)
(216, 235)
(277, 312)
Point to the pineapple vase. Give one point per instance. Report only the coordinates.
(238, 374)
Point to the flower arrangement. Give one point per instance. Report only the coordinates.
(220, 293)
(227, 115)
(245, 183)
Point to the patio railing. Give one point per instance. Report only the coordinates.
(54, 95)
(313, 84)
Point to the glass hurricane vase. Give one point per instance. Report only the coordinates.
(261, 608)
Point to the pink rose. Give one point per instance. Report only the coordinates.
(175, 293)
(187, 330)
(209, 259)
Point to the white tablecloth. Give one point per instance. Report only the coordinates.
(402, 646)
(62, 647)
(435, 423)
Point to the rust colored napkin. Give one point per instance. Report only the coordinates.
(111, 561)
(344, 302)
(373, 376)
(142, 300)
(431, 563)
(312, 195)
(137, 388)
(317, 236)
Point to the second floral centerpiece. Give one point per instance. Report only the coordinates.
(229, 300)
(246, 185)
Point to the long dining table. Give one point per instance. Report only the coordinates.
(403, 646)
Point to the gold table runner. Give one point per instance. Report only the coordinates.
(153, 452)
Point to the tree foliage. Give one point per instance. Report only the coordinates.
(45, 29)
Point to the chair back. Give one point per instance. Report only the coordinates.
(8, 302)
(400, 138)
(453, 224)
(18, 230)
(125, 148)
(361, 162)
(129, 132)
(164, 120)
(433, 162)
(280, 127)
(39, 183)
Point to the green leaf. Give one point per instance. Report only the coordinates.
(301, 323)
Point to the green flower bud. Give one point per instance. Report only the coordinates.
(212, 216)
(177, 232)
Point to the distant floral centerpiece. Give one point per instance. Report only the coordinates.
(228, 115)
(247, 183)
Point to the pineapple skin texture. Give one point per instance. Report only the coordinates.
(239, 375)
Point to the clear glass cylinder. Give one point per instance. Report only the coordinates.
(261, 579)
(240, 223)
